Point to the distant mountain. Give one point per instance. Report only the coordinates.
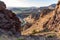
(21, 8)
(52, 6)
(24, 12)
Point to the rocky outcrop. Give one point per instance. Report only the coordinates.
(54, 22)
(49, 20)
(8, 20)
(38, 26)
(31, 19)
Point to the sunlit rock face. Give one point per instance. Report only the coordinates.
(49, 20)
(54, 22)
(8, 20)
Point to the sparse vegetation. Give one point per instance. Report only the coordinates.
(34, 31)
(51, 35)
(46, 30)
(19, 39)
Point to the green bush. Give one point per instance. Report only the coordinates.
(46, 30)
(51, 35)
(34, 31)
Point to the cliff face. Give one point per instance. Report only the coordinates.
(8, 20)
(54, 22)
(30, 20)
(48, 20)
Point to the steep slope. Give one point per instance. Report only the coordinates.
(30, 20)
(48, 20)
(8, 20)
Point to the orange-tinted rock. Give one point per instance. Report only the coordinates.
(49, 20)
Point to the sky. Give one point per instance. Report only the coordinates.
(29, 3)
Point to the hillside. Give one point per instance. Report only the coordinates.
(9, 22)
(47, 21)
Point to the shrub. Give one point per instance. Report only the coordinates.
(34, 31)
(51, 35)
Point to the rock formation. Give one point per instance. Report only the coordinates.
(31, 19)
(8, 20)
(49, 20)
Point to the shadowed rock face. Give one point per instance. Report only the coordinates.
(2, 5)
(8, 20)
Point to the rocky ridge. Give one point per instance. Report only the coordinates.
(9, 22)
(48, 20)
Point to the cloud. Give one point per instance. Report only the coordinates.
(26, 3)
(19, 3)
(13, 3)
